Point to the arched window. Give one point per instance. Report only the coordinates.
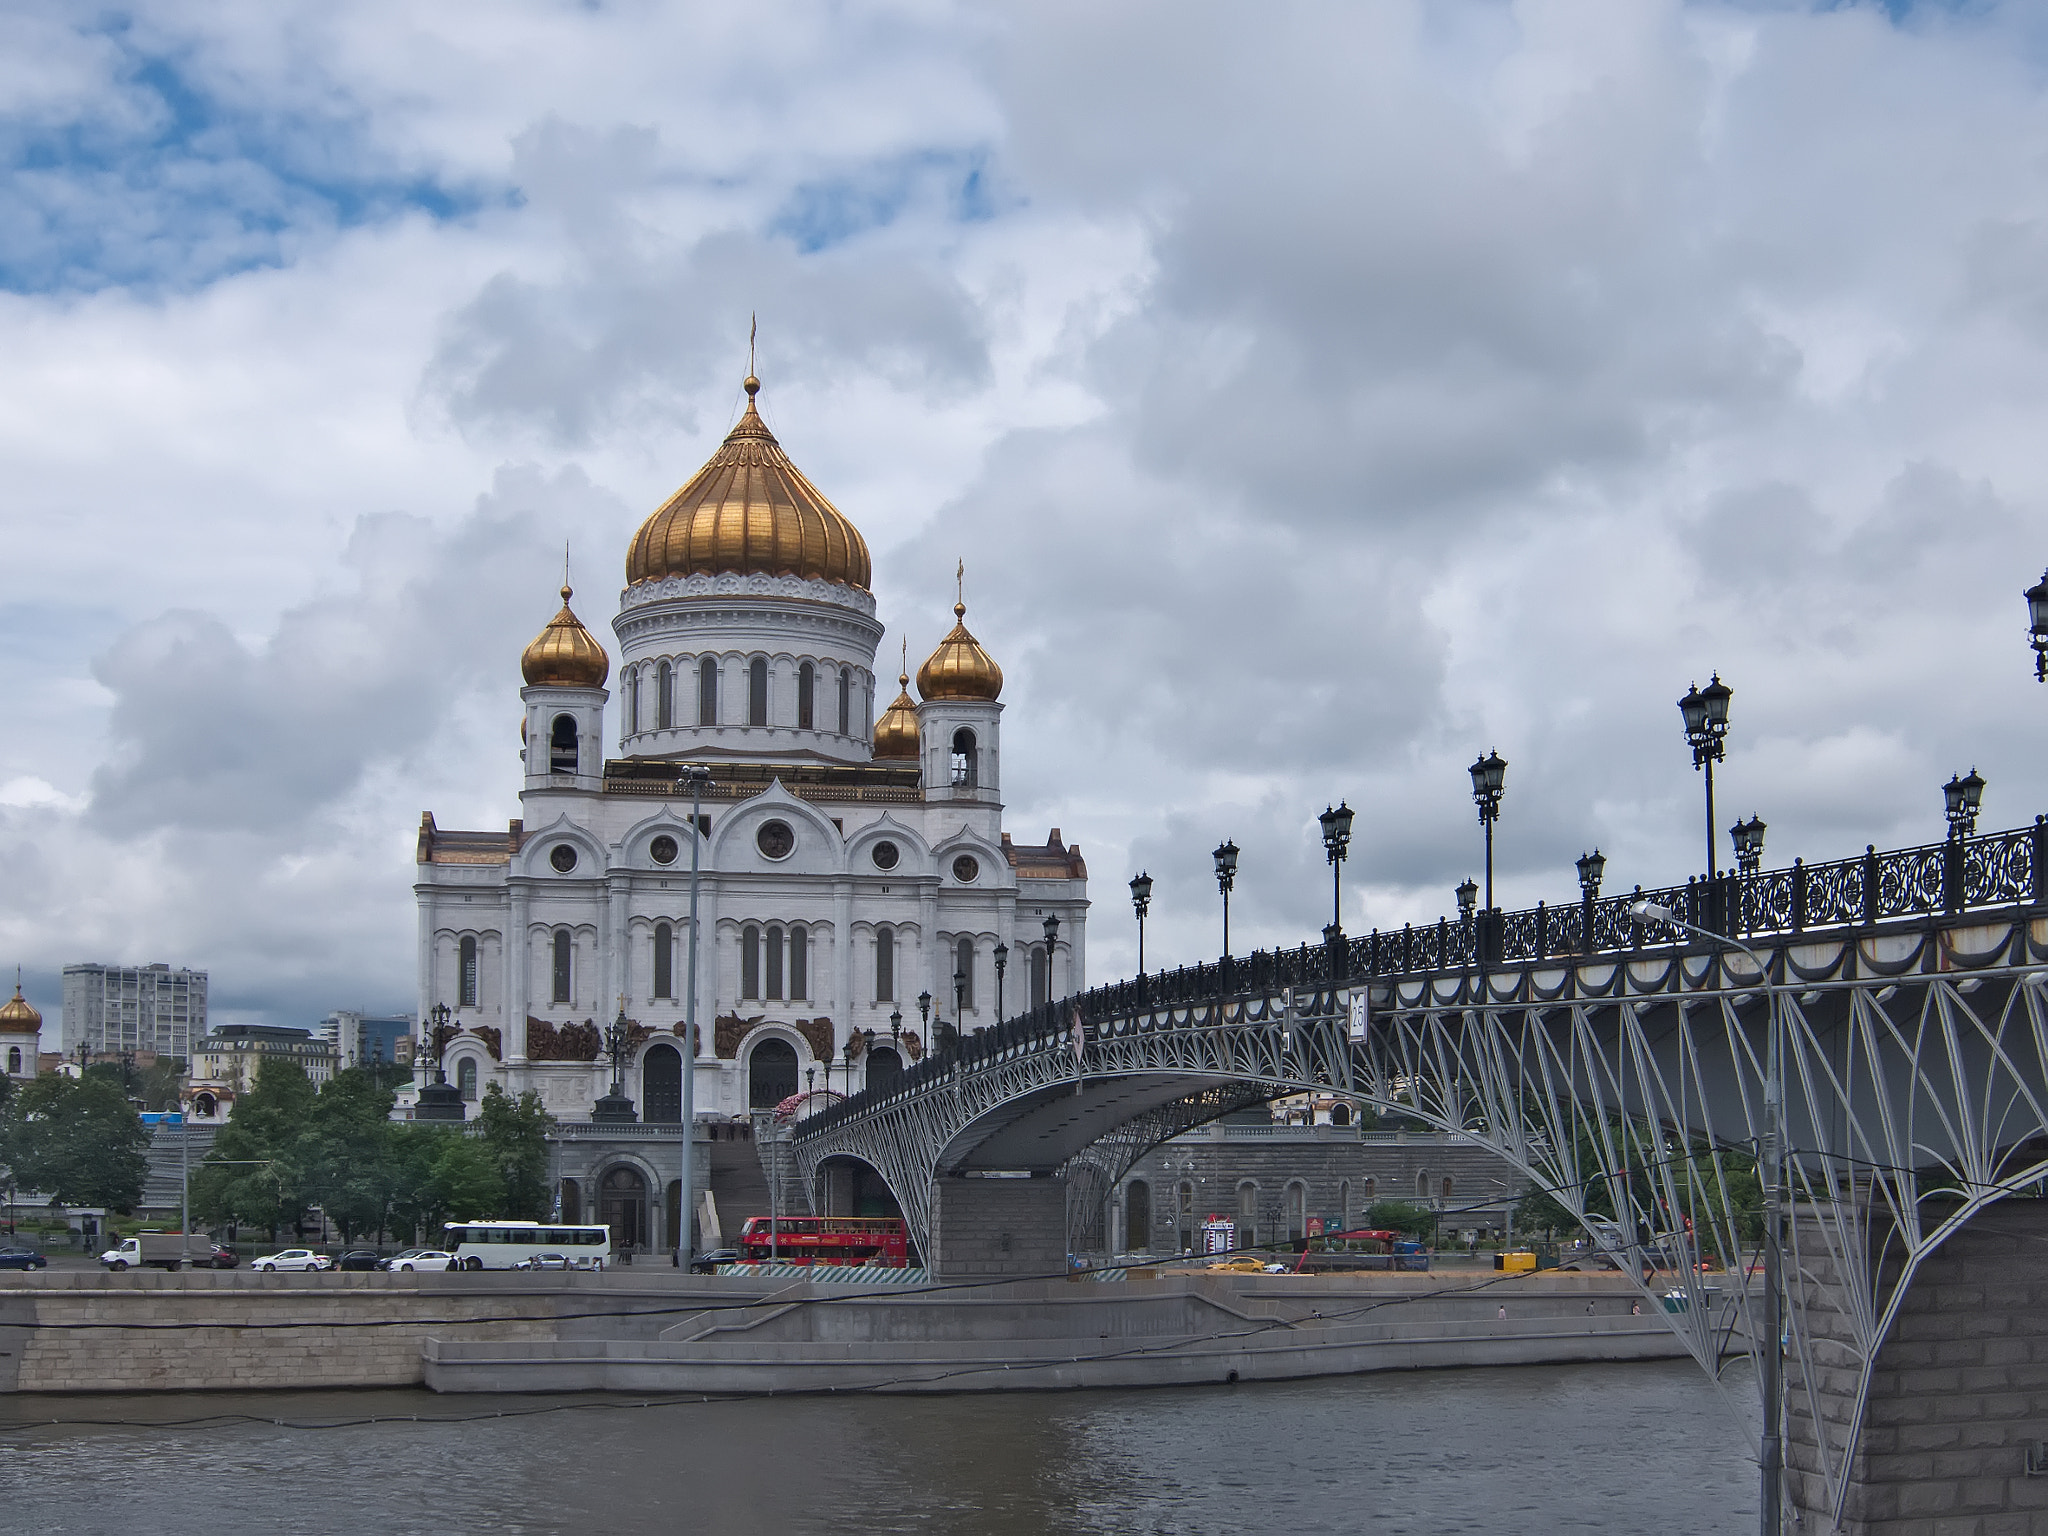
(885, 966)
(465, 980)
(1448, 1187)
(1422, 1185)
(881, 1068)
(632, 702)
(665, 697)
(565, 967)
(1340, 1114)
(1297, 1212)
(1247, 1214)
(757, 691)
(845, 702)
(963, 966)
(774, 962)
(750, 962)
(14, 1060)
(1041, 977)
(465, 1078)
(1137, 1217)
(661, 1085)
(1371, 1190)
(799, 963)
(1344, 1203)
(707, 691)
(664, 960)
(205, 1105)
(965, 775)
(806, 680)
(1185, 1201)
(562, 745)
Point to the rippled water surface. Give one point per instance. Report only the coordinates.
(1530, 1450)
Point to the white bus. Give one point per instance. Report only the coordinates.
(506, 1244)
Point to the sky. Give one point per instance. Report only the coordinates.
(1319, 395)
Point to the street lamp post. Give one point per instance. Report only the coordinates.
(924, 1012)
(1226, 877)
(2037, 626)
(959, 1012)
(1141, 902)
(1771, 1162)
(1489, 773)
(896, 1032)
(1052, 948)
(1705, 711)
(698, 777)
(1748, 838)
(1592, 867)
(1336, 843)
(1961, 799)
(1468, 898)
(1002, 964)
(438, 1100)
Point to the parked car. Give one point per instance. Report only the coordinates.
(357, 1258)
(22, 1258)
(707, 1263)
(403, 1253)
(545, 1261)
(423, 1258)
(225, 1257)
(291, 1258)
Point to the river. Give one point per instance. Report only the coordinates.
(1528, 1451)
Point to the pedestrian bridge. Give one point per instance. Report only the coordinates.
(1621, 1068)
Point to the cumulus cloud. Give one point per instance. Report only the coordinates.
(1318, 400)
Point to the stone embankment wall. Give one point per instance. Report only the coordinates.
(152, 1331)
(1959, 1394)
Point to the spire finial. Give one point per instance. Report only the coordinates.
(751, 385)
(903, 677)
(567, 590)
(960, 591)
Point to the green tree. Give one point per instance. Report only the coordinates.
(515, 1132)
(414, 1203)
(262, 1136)
(1401, 1216)
(466, 1182)
(76, 1139)
(344, 1150)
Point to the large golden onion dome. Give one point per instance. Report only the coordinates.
(896, 733)
(19, 1017)
(749, 510)
(959, 668)
(565, 654)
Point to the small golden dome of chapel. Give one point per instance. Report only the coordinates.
(959, 668)
(19, 1016)
(565, 654)
(896, 733)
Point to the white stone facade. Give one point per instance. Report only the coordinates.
(834, 888)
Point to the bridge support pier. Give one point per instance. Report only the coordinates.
(997, 1229)
(1959, 1394)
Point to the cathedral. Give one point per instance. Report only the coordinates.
(858, 895)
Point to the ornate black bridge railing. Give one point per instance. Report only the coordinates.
(1999, 869)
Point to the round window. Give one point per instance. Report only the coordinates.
(662, 850)
(885, 855)
(775, 840)
(965, 868)
(563, 857)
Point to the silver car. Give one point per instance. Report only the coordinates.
(426, 1258)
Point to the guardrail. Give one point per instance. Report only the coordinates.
(1998, 869)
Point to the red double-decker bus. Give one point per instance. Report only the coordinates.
(879, 1240)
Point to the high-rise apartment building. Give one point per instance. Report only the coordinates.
(366, 1039)
(114, 1008)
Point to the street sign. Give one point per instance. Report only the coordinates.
(1218, 1236)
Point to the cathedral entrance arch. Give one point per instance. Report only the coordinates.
(771, 1073)
(622, 1206)
(661, 1085)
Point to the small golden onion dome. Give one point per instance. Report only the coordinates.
(749, 510)
(565, 654)
(896, 734)
(959, 668)
(19, 1017)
